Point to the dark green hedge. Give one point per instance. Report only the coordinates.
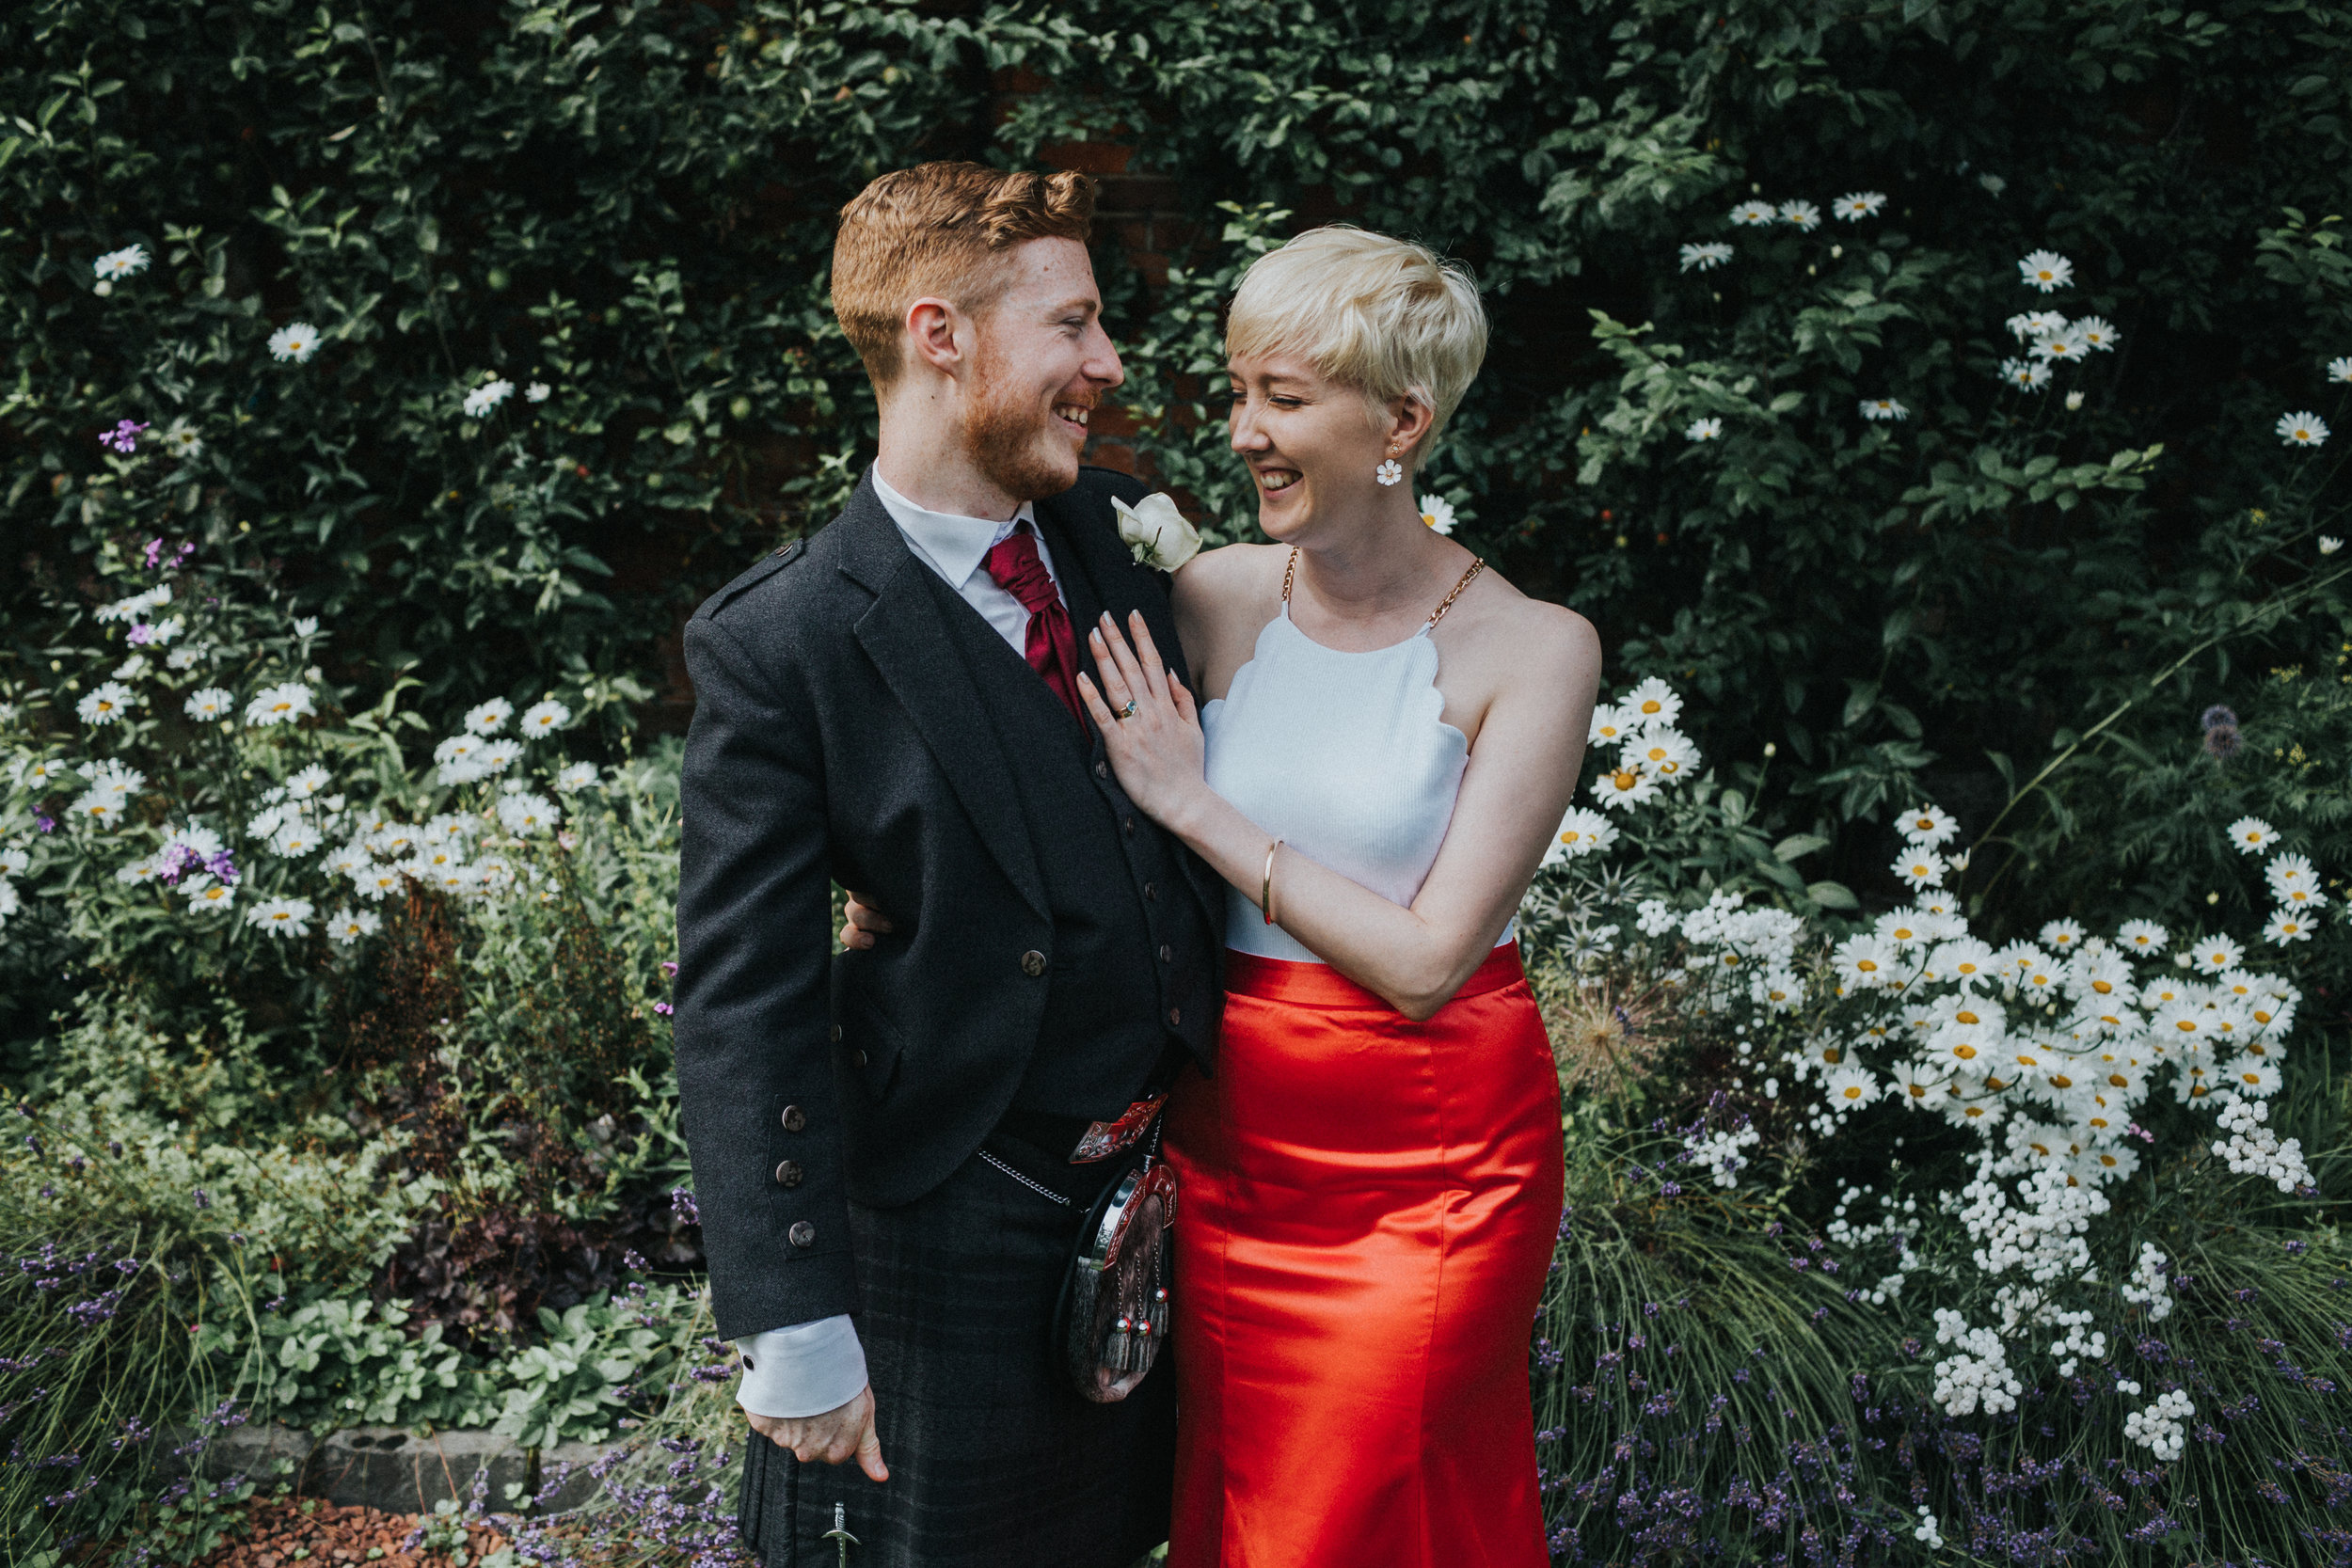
(630, 203)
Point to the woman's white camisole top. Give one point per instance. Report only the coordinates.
(1343, 756)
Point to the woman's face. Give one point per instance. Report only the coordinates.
(1309, 446)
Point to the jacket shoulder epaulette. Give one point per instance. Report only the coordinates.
(755, 575)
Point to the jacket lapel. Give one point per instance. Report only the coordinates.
(906, 634)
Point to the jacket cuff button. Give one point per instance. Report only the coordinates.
(789, 1174)
(802, 1233)
(794, 1118)
(1033, 964)
(837, 1034)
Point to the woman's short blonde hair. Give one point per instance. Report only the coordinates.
(1382, 315)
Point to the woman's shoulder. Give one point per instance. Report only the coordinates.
(1539, 636)
(1226, 581)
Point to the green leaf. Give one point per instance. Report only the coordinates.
(1832, 895)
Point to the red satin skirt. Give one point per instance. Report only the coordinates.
(1365, 1219)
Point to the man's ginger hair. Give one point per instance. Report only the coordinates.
(944, 230)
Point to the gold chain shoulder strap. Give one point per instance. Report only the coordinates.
(1478, 565)
(1289, 572)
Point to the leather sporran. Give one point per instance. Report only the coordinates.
(1114, 1311)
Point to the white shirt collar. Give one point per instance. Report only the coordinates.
(954, 545)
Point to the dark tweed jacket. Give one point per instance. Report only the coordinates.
(838, 737)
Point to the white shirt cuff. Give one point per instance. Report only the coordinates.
(805, 1369)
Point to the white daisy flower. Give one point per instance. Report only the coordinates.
(2253, 1077)
(2028, 325)
(1804, 214)
(487, 718)
(2253, 835)
(141, 870)
(14, 859)
(2302, 430)
(48, 772)
(496, 757)
(575, 777)
(1919, 1085)
(206, 894)
(1928, 825)
(296, 340)
(131, 669)
(377, 882)
(1625, 786)
(2045, 270)
(1965, 1047)
(117, 264)
(279, 705)
(106, 704)
(2063, 936)
(526, 814)
(1436, 510)
(1967, 961)
(2289, 874)
(1754, 213)
(1884, 409)
(294, 838)
(281, 917)
(2217, 955)
(2330, 544)
(1665, 754)
(1851, 1087)
(303, 785)
(1921, 867)
(210, 702)
(2098, 334)
(1582, 831)
(2069, 346)
(1865, 961)
(351, 860)
(487, 396)
(1650, 704)
(2073, 401)
(547, 715)
(2026, 375)
(346, 926)
(2340, 370)
(181, 441)
(184, 659)
(1856, 205)
(538, 392)
(1704, 430)
(1982, 1114)
(1903, 927)
(1704, 258)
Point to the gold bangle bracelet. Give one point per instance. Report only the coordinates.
(1265, 887)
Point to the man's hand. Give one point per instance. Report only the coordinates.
(845, 1433)
(861, 923)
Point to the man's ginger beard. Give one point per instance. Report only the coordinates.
(1002, 432)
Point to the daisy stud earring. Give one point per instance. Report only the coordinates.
(1390, 471)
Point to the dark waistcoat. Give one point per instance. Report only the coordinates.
(1128, 924)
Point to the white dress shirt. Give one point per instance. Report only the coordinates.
(808, 1369)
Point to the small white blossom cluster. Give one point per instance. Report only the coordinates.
(2149, 1287)
(1718, 1152)
(2162, 1426)
(2252, 1148)
(1977, 1377)
(2294, 885)
(2079, 1344)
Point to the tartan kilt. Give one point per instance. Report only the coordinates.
(995, 1462)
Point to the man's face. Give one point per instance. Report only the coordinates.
(1041, 363)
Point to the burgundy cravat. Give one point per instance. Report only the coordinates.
(1050, 646)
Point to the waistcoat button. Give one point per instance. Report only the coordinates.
(794, 1118)
(789, 1174)
(1101, 769)
(1175, 1018)
(837, 1034)
(802, 1233)
(859, 1058)
(1166, 953)
(1127, 826)
(1033, 964)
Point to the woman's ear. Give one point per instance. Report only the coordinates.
(1410, 420)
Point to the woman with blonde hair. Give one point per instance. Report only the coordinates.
(1386, 735)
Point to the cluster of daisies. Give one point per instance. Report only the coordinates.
(2052, 340)
(1651, 755)
(319, 848)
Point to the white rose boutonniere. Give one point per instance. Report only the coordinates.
(1156, 532)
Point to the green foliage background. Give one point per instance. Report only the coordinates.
(631, 202)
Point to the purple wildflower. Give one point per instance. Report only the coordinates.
(123, 437)
(663, 1009)
(220, 865)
